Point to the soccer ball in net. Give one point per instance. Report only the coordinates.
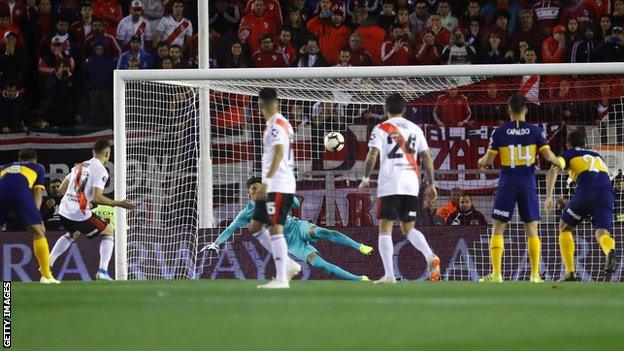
(334, 141)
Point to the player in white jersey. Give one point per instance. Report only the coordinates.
(398, 142)
(134, 25)
(82, 188)
(174, 28)
(275, 195)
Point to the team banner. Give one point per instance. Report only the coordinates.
(462, 250)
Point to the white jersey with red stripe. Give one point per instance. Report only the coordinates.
(174, 32)
(126, 29)
(399, 142)
(279, 132)
(77, 201)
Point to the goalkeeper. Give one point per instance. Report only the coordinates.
(299, 236)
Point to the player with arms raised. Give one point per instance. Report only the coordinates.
(517, 142)
(21, 192)
(82, 188)
(275, 195)
(594, 196)
(398, 142)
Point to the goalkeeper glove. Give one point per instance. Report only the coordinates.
(211, 247)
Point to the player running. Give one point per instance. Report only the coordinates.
(21, 192)
(82, 188)
(299, 237)
(593, 197)
(398, 142)
(275, 194)
(517, 142)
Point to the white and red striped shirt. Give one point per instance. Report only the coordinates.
(77, 201)
(174, 32)
(126, 29)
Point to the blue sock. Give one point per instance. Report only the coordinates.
(336, 237)
(333, 270)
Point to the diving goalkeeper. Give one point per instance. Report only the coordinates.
(299, 236)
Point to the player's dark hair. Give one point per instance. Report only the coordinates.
(395, 104)
(576, 138)
(55, 180)
(253, 180)
(101, 145)
(27, 155)
(267, 95)
(517, 103)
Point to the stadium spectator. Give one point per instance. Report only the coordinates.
(387, 15)
(99, 67)
(446, 16)
(302, 11)
(373, 36)
(61, 95)
(530, 56)
(359, 56)
(12, 109)
(285, 46)
(134, 25)
(500, 26)
(554, 48)
(97, 33)
(175, 28)
(344, 59)
(224, 17)
(333, 34)
(40, 21)
(242, 36)
(272, 9)
(297, 27)
(493, 52)
(51, 59)
(546, 14)
(420, 16)
(583, 48)
(81, 28)
(259, 24)
(109, 11)
(604, 29)
(511, 8)
(572, 33)
(166, 63)
(145, 59)
(458, 52)
(584, 13)
(518, 53)
(14, 61)
(617, 16)
(50, 205)
(397, 50)
(466, 214)
(527, 31)
(402, 20)
(612, 50)
(162, 51)
(451, 109)
(442, 35)
(40, 124)
(134, 63)
(474, 33)
(235, 57)
(473, 13)
(7, 27)
(491, 109)
(451, 205)
(17, 10)
(428, 53)
(153, 10)
(175, 54)
(310, 55)
(268, 56)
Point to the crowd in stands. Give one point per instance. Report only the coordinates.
(57, 56)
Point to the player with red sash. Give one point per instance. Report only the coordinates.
(398, 142)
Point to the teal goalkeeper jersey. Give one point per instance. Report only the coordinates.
(243, 218)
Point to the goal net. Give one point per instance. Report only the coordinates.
(186, 141)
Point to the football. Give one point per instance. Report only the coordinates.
(334, 142)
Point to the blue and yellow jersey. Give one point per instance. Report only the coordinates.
(517, 143)
(22, 175)
(586, 167)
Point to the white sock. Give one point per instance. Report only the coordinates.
(386, 251)
(265, 240)
(280, 253)
(61, 245)
(106, 251)
(420, 243)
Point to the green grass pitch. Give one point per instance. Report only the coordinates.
(317, 315)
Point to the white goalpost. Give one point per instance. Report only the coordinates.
(185, 142)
